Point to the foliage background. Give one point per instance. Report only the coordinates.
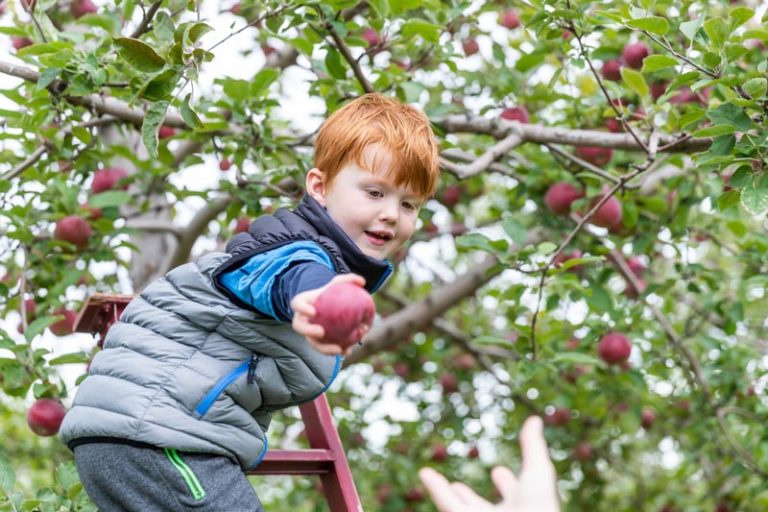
(476, 296)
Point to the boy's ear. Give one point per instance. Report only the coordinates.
(315, 186)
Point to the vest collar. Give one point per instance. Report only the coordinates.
(375, 271)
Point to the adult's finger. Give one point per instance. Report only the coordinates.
(506, 482)
(440, 490)
(534, 446)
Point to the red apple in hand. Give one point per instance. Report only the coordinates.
(73, 229)
(343, 310)
(559, 197)
(614, 348)
(45, 417)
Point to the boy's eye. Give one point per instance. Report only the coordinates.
(375, 193)
(409, 206)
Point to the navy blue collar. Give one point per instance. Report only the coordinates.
(374, 270)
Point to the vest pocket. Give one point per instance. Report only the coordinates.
(240, 384)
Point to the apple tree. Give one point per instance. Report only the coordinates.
(596, 253)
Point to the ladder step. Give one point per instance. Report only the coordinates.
(295, 462)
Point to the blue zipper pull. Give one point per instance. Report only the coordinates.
(252, 363)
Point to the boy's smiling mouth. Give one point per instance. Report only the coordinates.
(379, 237)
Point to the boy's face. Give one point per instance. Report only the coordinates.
(377, 215)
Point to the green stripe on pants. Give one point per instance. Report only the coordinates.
(186, 473)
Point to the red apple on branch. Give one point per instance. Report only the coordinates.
(241, 225)
(510, 19)
(108, 179)
(80, 8)
(166, 132)
(647, 418)
(608, 215)
(558, 418)
(595, 155)
(470, 46)
(614, 348)
(20, 42)
(612, 70)
(73, 229)
(343, 310)
(225, 164)
(371, 36)
(65, 326)
(633, 54)
(518, 113)
(45, 417)
(559, 197)
(583, 451)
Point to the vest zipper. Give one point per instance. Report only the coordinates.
(249, 366)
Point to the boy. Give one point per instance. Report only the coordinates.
(177, 404)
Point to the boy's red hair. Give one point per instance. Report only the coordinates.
(376, 119)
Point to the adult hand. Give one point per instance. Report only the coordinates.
(303, 306)
(533, 491)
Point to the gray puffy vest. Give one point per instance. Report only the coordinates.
(186, 368)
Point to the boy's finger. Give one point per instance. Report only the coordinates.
(440, 490)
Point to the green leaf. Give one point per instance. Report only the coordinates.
(754, 200)
(714, 131)
(189, 115)
(690, 28)
(654, 24)
(46, 77)
(110, 198)
(515, 230)
(411, 91)
(381, 7)
(656, 62)
(417, 26)
(235, 88)
(599, 300)
(546, 248)
(574, 358)
(635, 81)
(756, 87)
(723, 145)
(263, 79)
(476, 241)
(728, 199)
(71, 358)
(718, 32)
(7, 476)
(492, 340)
(39, 326)
(161, 86)
(152, 121)
(739, 16)
(66, 475)
(139, 55)
(730, 114)
(334, 65)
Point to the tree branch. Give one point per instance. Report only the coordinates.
(197, 225)
(574, 137)
(485, 160)
(146, 21)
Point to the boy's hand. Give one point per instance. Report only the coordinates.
(303, 306)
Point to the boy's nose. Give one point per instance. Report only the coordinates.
(389, 212)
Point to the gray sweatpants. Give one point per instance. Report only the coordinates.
(120, 478)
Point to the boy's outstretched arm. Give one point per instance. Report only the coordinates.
(303, 306)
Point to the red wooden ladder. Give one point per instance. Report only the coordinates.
(325, 458)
